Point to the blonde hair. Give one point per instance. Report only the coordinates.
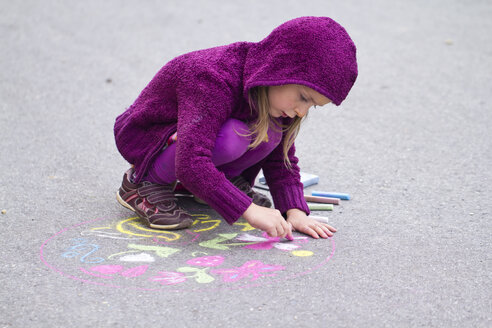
(258, 101)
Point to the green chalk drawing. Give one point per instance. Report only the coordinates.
(160, 251)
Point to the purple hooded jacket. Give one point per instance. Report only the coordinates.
(195, 93)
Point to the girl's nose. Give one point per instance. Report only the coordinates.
(302, 111)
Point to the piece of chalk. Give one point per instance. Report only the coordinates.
(289, 237)
(331, 194)
(325, 200)
(320, 207)
(321, 219)
(307, 179)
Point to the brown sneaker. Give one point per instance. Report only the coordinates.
(153, 202)
(244, 186)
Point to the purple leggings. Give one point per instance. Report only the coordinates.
(230, 154)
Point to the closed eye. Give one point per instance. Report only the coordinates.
(304, 99)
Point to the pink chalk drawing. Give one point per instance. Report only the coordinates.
(169, 278)
(207, 261)
(172, 278)
(195, 262)
(135, 272)
(266, 242)
(253, 269)
(199, 275)
(109, 271)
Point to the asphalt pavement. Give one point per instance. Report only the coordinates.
(411, 145)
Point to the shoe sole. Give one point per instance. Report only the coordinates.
(122, 202)
(155, 226)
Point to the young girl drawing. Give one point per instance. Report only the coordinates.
(214, 117)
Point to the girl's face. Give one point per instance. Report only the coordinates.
(292, 100)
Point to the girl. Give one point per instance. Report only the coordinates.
(213, 118)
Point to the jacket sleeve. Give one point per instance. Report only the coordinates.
(285, 185)
(203, 107)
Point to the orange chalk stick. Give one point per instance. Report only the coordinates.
(324, 200)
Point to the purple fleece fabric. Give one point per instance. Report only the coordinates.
(197, 92)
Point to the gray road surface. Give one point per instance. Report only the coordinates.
(412, 145)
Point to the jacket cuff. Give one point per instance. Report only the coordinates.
(289, 197)
(230, 204)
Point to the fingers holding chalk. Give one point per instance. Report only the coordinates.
(289, 235)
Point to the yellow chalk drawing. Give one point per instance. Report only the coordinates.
(217, 223)
(167, 235)
(107, 232)
(302, 253)
(247, 226)
(202, 218)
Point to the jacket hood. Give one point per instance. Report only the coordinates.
(313, 51)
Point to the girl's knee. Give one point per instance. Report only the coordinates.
(233, 139)
(233, 125)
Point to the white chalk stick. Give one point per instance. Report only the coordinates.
(321, 219)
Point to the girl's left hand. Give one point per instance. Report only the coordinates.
(303, 223)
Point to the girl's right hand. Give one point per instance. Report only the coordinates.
(269, 220)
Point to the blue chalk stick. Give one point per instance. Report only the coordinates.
(331, 194)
